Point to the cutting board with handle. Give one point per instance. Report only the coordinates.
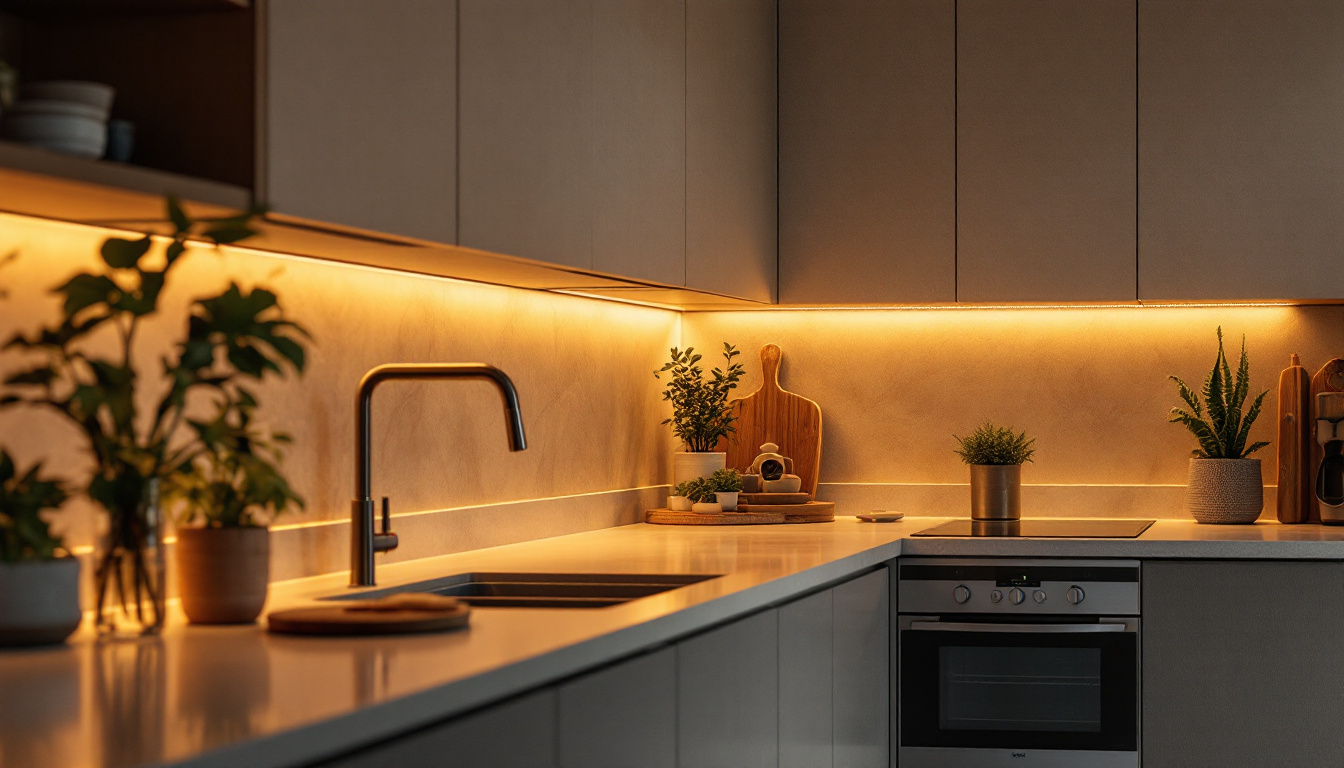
(772, 415)
(1297, 435)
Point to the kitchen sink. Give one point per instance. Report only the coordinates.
(542, 590)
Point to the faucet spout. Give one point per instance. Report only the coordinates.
(363, 541)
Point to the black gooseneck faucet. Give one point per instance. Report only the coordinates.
(363, 541)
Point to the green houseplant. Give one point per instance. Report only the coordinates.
(1225, 484)
(39, 579)
(234, 337)
(701, 415)
(996, 455)
(727, 485)
(233, 489)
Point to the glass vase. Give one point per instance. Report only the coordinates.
(129, 578)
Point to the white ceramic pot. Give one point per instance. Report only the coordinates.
(1225, 490)
(39, 601)
(727, 500)
(693, 466)
(678, 503)
(706, 507)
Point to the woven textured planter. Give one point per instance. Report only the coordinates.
(1225, 491)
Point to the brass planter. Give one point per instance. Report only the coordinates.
(996, 491)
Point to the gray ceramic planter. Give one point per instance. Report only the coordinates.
(39, 601)
(1225, 491)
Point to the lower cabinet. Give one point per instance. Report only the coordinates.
(801, 685)
(1241, 664)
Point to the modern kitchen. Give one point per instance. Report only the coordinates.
(671, 383)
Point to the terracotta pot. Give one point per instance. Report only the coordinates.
(996, 491)
(222, 573)
(39, 601)
(693, 466)
(1225, 491)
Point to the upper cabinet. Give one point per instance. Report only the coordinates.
(361, 114)
(867, 151)
(1241, 167)
(1046, 196)
(731, 147)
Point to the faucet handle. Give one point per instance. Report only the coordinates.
(387, 540)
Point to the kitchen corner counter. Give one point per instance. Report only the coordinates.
(230, 696)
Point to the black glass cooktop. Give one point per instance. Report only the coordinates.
(1042, 529)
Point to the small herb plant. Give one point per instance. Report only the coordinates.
(700, 412)
(24, 535)
(1223, 433)
(989, 444)
(699, 490)
(727, 481)
(234, 479)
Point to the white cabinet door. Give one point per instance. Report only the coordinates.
(861, 657)
(867, 151)
(621, 716)
(1241, 664)
(731, 147)
(361, 114)
(1046, 147)
(516, 734)
(1241, 163)
(526, 102)
(728, 695)
(806, 682)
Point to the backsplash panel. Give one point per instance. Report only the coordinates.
(1090, 384)
(582, 369)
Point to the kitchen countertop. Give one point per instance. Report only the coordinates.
(228, 696)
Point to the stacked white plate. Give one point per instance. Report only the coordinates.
(62, 115)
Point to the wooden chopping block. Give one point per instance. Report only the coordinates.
(402, 614)
(773, 415)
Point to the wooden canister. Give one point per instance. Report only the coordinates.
(1296, 440)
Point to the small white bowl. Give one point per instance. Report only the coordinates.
(706, 507)
(95, 95)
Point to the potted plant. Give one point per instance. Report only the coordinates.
(701, 493)
(39, 579)
(1225, 486)
(233, 488)
(238, 335)
(700, 411)
(678, 501)
(727, 485)
(995, 455)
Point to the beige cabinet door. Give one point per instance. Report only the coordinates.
(1241, 163)
(526, 139)
(361, 114)
(1046, 189)
(639, 217)
(731, 147)
(867, 151)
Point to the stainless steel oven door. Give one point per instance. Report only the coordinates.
(1019, 692)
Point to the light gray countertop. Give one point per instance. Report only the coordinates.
(229, 696)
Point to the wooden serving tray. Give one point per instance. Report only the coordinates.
(810, 509)
(775, 498)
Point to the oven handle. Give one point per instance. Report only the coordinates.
(1034, 629)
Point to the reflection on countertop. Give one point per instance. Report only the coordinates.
(231, 696)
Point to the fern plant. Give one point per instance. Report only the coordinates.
(700, 412)
(989, 444)
(1222, 434)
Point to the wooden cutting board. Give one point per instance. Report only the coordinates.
(772, 415)
(811, 508)
(668, 517)
(775, 498)
(1297, 430)
(1329, 379)
(353, 618)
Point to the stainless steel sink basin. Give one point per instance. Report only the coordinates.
(542, 590)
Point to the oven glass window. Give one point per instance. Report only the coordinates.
(1019, 689)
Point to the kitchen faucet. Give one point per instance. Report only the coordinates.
(363, 541)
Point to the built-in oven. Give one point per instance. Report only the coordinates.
(1018, 663)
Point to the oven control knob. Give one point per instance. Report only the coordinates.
(1075, 595)
(1038, 596)
(1016, 596)
(995, 596)
(961, 594)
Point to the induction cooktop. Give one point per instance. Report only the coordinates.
(1042, 529)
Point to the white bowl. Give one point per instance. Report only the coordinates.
(70, 134)
(54, 107)
(95, 95)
